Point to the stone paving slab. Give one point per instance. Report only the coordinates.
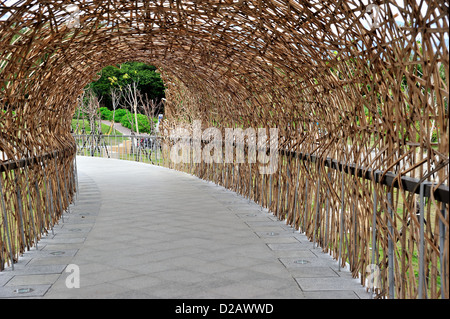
(39, 269)
(26, 291)
(142, 231)
(325, 283)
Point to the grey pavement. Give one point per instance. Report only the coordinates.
(122, 129)
(143, 231)
(118, 127)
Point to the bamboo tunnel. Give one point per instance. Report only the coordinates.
(358, 92)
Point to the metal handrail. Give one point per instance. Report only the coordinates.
(24, 162)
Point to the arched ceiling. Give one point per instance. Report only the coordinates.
(303, 66)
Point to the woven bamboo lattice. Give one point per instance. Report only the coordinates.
(362, 84)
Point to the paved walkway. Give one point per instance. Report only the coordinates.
(120, 128)
(142, 231)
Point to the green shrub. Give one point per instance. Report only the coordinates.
(434, 136)
(144, 125)
(119, 114)
(79, 114)
(105, 114)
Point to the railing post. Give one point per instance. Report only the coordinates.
(270, 191)
(327, 217)
(20, 206)
(442, 232)
(305, 212)
(391, 248)
(317, 212)
(30, 207)
(213, 171)
(238, 185)
(341, 222)
(66, 187)
(5, 223)
(59, 190)
(277, 210)
(355, 229)
(52, 208)
(250, 182)
(92, 145)
(421, 241)
(263, 197)
(374, 230)
(49, 198)
(288, 177)
(227, 175)
(76, 176)
(156, 145)
(257, 190)
(39, 206)
(296, 193)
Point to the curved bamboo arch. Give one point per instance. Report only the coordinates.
(336, 83)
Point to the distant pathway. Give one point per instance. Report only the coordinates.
(122, 129)
(118, 127)
(143, 231)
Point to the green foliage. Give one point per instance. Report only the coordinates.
(124, 117)
(434, 136)
(119, 114)
(13, 112)
(77, 127)
(79, 114)
(442, 73)
(149, 82)
(128, 121)
(105, 113)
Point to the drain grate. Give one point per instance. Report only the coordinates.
(23, 290)
(301, 262)
(272, 234)
(57, 253)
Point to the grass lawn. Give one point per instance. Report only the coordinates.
(105, 128)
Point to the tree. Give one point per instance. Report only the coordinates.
(88, 109)
(120, 76)
(150, 108)
(132, 97)
(116, 95)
